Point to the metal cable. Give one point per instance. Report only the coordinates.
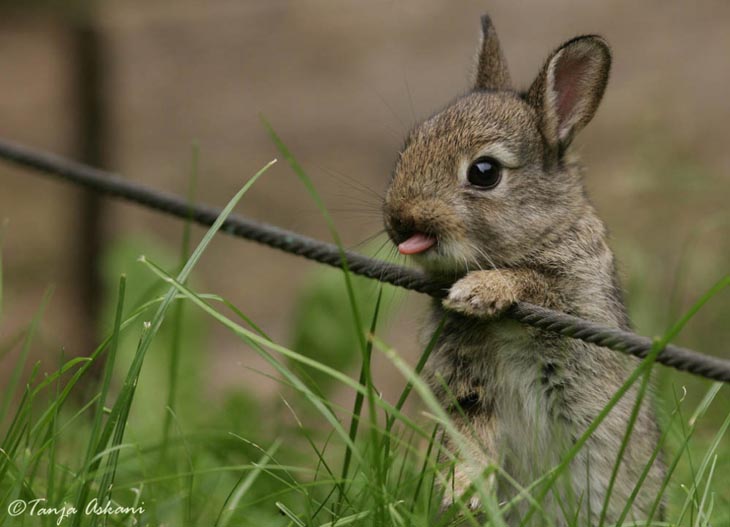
(570, 326)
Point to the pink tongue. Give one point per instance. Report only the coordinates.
(416, 244)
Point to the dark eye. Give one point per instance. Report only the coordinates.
(485, 173)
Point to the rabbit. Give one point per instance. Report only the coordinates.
(487, 194)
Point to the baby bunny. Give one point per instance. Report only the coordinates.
(487, 193)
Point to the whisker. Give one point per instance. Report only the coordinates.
(408, 91)
(392, 111)
(352, 182)
(383, 246)
(484, 254)
(369, 239)
(359, 208)
(342, 215)
(362, 197)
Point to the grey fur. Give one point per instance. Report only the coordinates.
(526, 394)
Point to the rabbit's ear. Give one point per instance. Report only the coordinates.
(492, 72)
(569, 88)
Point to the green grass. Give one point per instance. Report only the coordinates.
(141, 435)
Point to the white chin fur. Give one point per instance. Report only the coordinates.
(447, 257)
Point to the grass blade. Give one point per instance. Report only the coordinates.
(120, 411)
(366, 381)
(305, 179)
(25, 350)
(243, 486)
(177, 317)
(2, 236)
(261, 343)
(92, 449)
(289, 514)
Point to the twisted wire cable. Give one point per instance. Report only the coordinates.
(109, 184)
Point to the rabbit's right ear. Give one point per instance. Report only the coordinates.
(569, 88)
(492, 72)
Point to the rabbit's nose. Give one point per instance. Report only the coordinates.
(401, 228)
(408, 236)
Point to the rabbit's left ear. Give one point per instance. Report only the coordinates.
(569, 88)
(492, 72)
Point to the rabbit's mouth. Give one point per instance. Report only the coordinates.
(435, 254)
(417, 243)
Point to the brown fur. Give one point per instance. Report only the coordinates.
(524, 395)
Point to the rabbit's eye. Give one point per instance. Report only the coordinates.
(485, 173)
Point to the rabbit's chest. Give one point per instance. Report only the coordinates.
(502, 370)
(499, 360)
(503, 364)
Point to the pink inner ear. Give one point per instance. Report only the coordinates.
(569, 74)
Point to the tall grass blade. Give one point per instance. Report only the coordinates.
(624, 444)
(93, 446)
(258, 343)
(261, 343)
(366, 381)
(25, 350)
(289, 514)
(300, 172)
(347, 520)
(243, 485)
(120, 411)
(177, 317)
(706, 461)
(2, 236)
(701, 511)
(647, 467)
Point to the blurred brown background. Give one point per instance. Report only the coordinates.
(341, 82)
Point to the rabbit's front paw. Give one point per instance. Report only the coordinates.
(483, 294)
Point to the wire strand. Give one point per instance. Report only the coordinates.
(111, 185)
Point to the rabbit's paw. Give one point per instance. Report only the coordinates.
(461, 482)
(473, 503)
(483, 294)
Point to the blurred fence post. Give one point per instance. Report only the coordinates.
(92, 134)
(89, 109)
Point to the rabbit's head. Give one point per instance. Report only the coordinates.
(487, 180)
